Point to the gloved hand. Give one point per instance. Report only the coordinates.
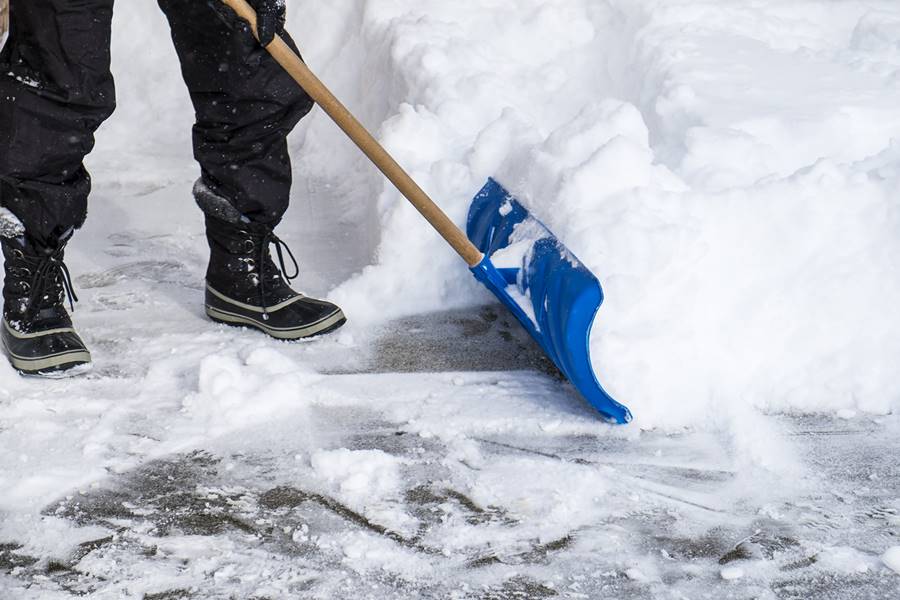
(269, 19)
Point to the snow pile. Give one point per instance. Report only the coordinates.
(236, 394)
(728, 171)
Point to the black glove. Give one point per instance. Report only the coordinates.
(269, 19)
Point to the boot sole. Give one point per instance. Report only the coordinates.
(57, 365)
(320, 327)
(74, 361)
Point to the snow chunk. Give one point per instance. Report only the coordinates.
(359, 474)
(846, 414)
(364, 552)
(636, 574)
(10, 225)
(844, 560)
(234, 393)
(891, 558)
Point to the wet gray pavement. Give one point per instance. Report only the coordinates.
(252, 515)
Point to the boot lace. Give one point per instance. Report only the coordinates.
(48, 272)
(281, 249)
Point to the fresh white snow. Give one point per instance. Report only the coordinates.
(729, 171)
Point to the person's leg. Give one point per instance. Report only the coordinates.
(246, 105)
(55, 90)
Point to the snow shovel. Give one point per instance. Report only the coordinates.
(552, 294)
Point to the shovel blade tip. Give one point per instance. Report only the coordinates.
(555, 297)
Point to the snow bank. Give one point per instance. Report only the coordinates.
(728, 172)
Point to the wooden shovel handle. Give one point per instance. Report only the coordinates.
(288, 59)
(4, 17)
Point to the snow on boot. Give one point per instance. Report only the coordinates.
(37, 331)
(244, 287)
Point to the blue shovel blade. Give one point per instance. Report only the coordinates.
(552, 294)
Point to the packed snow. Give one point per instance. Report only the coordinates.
(728, 170)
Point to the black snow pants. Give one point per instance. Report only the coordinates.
(56, 89)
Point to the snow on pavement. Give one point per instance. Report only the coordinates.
(726, 168)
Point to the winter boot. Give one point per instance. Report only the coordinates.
(37, 332)
(244, 287)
